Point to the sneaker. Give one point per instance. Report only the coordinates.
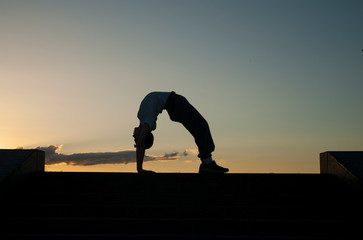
(212, 168)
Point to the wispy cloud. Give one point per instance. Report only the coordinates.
(54, 156)
(190, 151)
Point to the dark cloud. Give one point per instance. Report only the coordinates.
(185, 153)
(52, 156)
(171, 155)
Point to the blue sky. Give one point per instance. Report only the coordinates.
(278, 81)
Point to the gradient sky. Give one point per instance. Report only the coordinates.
(278, 81)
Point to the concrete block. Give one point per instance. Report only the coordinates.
(347, 165)
(16, 165)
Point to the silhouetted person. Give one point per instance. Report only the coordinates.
(179, 110)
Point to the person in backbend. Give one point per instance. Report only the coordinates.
(179, 110)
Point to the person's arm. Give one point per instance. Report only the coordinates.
(140, 147)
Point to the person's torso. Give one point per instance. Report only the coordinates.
(151, 106)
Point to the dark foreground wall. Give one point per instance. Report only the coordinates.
(16, 165)
(63, 206)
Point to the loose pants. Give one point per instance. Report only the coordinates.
(180, 110)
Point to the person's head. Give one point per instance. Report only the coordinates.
(149, 140)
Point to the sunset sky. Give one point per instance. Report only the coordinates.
(278, 81)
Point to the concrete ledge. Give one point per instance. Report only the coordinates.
(16, 165)
(345, 164)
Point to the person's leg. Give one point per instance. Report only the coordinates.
(180, 110)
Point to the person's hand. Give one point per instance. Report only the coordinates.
(146, 172)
